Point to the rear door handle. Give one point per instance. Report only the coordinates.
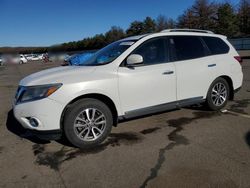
(211, 65)
(168, 72)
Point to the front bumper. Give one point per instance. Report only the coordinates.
(46, 111)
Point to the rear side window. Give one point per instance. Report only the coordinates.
(188, 47)
(216, 45)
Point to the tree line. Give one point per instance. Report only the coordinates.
(222, 18)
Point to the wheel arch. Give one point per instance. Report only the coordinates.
(103, 98)
(230, 83)
(231, 87)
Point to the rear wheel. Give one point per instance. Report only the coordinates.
(218, 94)
(87, 123)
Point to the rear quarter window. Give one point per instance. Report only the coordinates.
(216, 45)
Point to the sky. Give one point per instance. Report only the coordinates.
(49, 22)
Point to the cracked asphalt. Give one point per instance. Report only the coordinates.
(189, 147)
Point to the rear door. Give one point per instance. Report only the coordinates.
(195, 69)
(151, 83)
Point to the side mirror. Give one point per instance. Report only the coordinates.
(134, 59)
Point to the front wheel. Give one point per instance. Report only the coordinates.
(218, 94)
(87, 123)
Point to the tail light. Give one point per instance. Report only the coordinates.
(238, 58)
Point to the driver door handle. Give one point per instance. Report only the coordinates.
(168, 72)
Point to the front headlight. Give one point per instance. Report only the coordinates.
(31, 93)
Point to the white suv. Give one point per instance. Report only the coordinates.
(132, 77)
(17, 59)
(1, 61)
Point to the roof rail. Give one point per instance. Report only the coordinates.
(188, 30)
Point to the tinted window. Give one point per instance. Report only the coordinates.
(216, 45)
(188, 47)
(152, 51)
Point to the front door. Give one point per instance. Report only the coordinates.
(151, 83)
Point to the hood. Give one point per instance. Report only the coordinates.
(64, 74)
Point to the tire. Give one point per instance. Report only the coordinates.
(21, 62)
(79, 123)
(218, 94)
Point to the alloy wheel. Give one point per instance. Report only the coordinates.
(219, 94)
(89, 124)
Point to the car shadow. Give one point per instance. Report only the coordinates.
(198, 107)
(247, 137)
(16, 128)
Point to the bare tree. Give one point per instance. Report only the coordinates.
(162, 22)
(202, 15)
(244, 17)
(227, 22)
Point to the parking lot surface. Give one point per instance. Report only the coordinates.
(189, 147)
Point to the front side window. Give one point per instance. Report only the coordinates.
(188, 47)
(153, 51)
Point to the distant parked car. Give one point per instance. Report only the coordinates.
(29, 56)
(22, 59)
(16, 59)
(1, 61)
(35, 58)
(67, 57)
(40, 56)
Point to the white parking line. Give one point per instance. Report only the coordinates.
(235, 113)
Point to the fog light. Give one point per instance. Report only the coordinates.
(33, 122)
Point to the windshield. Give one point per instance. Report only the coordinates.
(108, 53)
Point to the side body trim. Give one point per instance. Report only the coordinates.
(161, 108)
